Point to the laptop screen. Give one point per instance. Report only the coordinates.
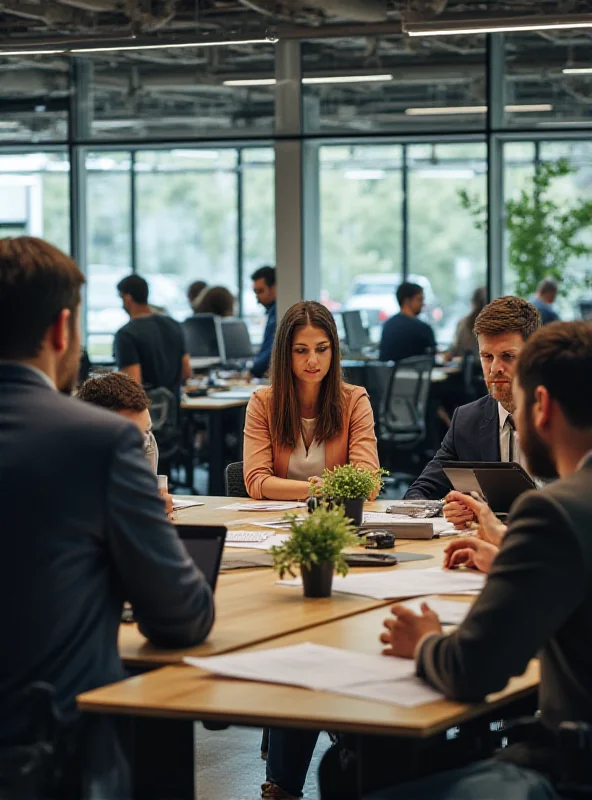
(204, 543)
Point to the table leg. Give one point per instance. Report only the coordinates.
(216, 453)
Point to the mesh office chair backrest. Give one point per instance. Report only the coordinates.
(377, 380)
(235, 480)
(408, 394)
(164, 412)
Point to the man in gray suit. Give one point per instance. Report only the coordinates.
(83, 526)
(538, 596)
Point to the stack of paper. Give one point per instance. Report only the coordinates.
(314, 666)
(185, 502)
(397, 584)
(408, 527)
(266, 505)
(267, 543)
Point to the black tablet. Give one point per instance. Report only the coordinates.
(500, 482)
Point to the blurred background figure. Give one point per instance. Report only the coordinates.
(404, 335)
(545, 296)
(194, 291)
(465, 340)
(215, 300)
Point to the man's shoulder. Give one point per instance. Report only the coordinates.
(482, 409)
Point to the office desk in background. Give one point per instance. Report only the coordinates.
(223, 415)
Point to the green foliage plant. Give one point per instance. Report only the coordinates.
(317, 538)
(351, 482)
(542, 233)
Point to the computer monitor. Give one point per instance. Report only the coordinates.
(205, 544)
(203, 336)
(236, 339)
(356, 334)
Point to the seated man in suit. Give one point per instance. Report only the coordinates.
(484, 429)
(538, 597)
(83, 527)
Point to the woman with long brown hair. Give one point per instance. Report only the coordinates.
(308, 419)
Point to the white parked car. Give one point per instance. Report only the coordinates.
(375, 294)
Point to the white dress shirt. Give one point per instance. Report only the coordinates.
(306, 462)
(505, 432)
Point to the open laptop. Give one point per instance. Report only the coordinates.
(499, 482)
(205, 544)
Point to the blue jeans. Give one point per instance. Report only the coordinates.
(485, 780)
(289, 756)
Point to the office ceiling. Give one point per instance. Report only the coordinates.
(174, 94)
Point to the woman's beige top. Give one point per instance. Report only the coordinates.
(306, 462)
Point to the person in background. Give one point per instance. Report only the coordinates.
(265, 290)
(465, 340)
(94, 536)
(537, 601)
(120, 393)
(545, 296)
(194, 291)
(151, 347)
(404, 335)
(484, 429)
(215, 300)
(308, 419)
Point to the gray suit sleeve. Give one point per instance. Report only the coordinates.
(171, 599)
(432, 484)
(537, 581)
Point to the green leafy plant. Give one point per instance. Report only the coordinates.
(351, 482)
(543, 234)
(317, 538)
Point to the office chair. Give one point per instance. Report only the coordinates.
(235, 480)
(166, 427)
(377, 380)
(404, 422)
(472, 377)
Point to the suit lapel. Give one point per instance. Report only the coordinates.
(489, 433)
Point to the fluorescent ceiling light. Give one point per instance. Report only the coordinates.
(501, 25)
(169, 46)
(29, 52)
(311, 81)
(514, 109)
(577, 70)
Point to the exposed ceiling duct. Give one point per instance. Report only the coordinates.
(359, 10)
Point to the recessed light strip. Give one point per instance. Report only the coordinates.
(501, 25)
(169, 46)
(29, 52)
(577, 70)
(513, 109)
(313, 81)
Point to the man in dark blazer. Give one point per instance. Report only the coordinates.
(83, 526)
(538, 596)
(484, 430)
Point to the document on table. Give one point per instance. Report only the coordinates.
(185, 502)
(267, 543)
(450, 612)
(439, 526)
(314, 666)
(398, 584)
(265, 506)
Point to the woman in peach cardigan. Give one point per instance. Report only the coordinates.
(308, 419)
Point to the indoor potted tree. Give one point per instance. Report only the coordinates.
(351, 485)
(316, 546)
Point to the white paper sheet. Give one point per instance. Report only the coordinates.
(395, 584)
(185, 502)
(450, 612)
(310, 665)
(269, 542)
(263, 506)
(408, 692)
(372, 677)
(376, 519)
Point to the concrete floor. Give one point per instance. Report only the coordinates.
(229, 766)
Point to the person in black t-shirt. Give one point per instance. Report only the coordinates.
(151, 347)
(403, 335)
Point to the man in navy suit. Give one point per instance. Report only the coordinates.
(83, 528)
(484, 430)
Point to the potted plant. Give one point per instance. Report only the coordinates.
(350, 485)
(315, 546)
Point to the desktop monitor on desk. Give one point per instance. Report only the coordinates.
(236, 340)
(356, 335)
(203, 335)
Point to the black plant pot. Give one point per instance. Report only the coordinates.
(317, 580)
(354, 509)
